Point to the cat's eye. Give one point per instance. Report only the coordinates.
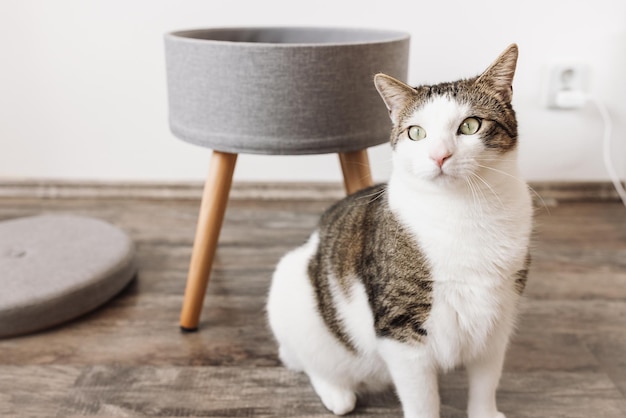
(416, 133)
(470, 126)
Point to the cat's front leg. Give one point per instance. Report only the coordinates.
(414, 376)
(484, 374)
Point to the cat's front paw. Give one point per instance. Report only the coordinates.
(339, 401)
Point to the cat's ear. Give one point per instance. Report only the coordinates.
(395, 93)
(499, 75)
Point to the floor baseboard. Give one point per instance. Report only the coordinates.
(549, 192)
(70, 189)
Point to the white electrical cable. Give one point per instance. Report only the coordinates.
(608, 127)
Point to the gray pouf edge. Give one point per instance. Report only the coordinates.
(85, 298)
(238, 145)
(90, 301)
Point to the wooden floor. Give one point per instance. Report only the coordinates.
(129, 358)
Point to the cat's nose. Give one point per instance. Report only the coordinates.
(440, 157)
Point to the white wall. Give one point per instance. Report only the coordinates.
(82, 83)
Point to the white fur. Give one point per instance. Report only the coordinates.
(473, 224)
(306, 343)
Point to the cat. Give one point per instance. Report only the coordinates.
(424, 274)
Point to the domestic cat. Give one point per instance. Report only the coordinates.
(424, 274)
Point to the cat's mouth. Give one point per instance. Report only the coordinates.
(441, 176)
(446, 174)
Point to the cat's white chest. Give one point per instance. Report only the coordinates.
(472, 291)
(473, 255)
(463, 321)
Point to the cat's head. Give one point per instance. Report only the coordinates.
(450, 132)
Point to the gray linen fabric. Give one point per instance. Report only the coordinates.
(281, 90)
(54, 268)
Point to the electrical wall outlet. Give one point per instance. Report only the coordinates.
(567, 85)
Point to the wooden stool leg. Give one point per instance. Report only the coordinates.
(212, 208)
(356, 170)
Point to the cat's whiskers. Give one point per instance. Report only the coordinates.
(467, 166)
(489, 187)
(374, 196)
(475, 197)
(543, 203)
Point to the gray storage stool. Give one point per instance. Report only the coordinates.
(54, 268)
(274, 91)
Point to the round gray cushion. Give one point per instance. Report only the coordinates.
(54, 268)
(281, 90)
